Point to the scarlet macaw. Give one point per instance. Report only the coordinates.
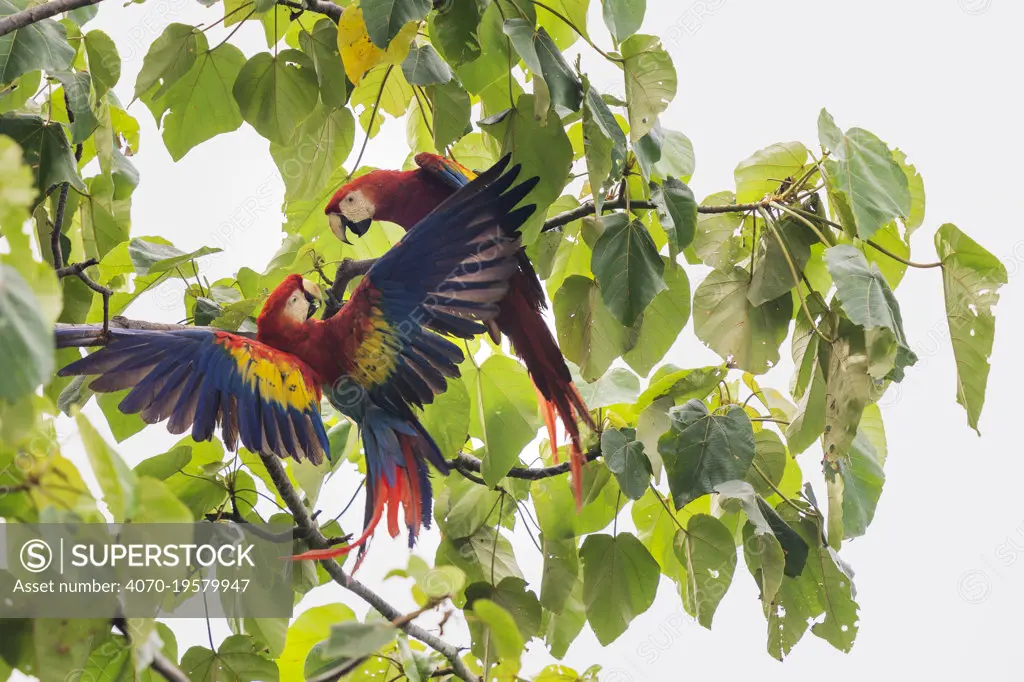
(404, 198)
(376, 359)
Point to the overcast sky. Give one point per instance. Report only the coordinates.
(940, 588)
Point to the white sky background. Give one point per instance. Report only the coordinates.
(940, 590)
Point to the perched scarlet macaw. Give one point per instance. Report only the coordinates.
(376, 359)
(404, 198)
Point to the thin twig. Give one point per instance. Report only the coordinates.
(373, 117)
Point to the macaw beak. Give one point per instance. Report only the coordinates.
(340, 224)
(313, 296)
(337, 223)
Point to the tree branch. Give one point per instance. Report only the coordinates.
(46, 10)
(348, 270)
(324, 7)
(468, 464)
(316, 540)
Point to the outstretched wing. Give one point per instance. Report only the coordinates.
(446, 274)
(268, 399)
(451, 173)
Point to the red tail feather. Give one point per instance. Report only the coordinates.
(405, 493)
(520, 319)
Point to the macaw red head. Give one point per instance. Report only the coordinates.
(355, 205)
(294, 301)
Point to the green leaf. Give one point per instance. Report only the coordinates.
(164, 465)
(542, 149)
(453, 31)
(504, 413)
(916, 186)
(46, 149)
(564, 86)
(563, 34)
(628, 269)
(661, 322)
(588, 334)
(604, 145)
(509, 643)
(154, 502)
(862, 480)
(650, 82)
(681, 385)
(971, 277)
(847, 393)
(865, 295)
(237, 659)
(726, 321)
(320, 146)
(703, 449)
(511, 595)
(617, 386)
(862, 170)
(40, 45)
(464, 506)
(25, 336)
(77, 92)
(620, 579)
(321, 44)
(452, 112)
(715, 242)
(810, 420)
(708, 552)
(122, 426)
(562, 628)
(625, 458)
(385, 18)
(623, 17)
(761, 174)
(200, 103)
(478, 554)
(423, 66)
(485, 75)
(765, 560)
(352, 639)
(19, 91)
(766, 520)
(560, 574)
(104, 61)
(769, 459)
(275, 93)
(170, 57)
(150, 257)
(677, 212)
(772, 274)
(665, 153)
(447, 418)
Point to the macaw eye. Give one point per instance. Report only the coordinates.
(350, 199)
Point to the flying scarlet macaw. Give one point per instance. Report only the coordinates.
(376, 359)
(404, 198)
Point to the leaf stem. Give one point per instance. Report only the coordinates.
(611, 58)
(796, 280)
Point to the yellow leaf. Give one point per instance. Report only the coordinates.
(357, 52)
(400, 45)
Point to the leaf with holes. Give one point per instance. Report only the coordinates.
(971, 277)
(650, 82)
(726, 321)
(708, 552)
